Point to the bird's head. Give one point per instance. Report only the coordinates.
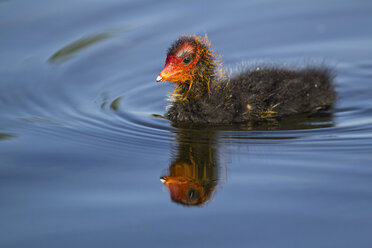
(189, 59)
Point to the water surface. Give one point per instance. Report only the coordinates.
(82, 147)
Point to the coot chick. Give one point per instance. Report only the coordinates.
(204, 94)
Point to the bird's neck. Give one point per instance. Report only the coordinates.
(199, 83)
(196, 87)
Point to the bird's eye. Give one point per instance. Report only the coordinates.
(192, 194)
(186, 60)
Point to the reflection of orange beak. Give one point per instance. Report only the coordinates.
(167, 180)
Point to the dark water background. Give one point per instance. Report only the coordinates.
(82, 151)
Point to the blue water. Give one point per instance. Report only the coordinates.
(82, 146)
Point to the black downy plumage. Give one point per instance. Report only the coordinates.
(204, 94)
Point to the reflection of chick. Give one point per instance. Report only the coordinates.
(193, 174)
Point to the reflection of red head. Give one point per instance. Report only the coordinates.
(184, 190)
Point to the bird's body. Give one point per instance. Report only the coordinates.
(204, 96)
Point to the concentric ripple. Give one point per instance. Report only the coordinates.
(131, 117)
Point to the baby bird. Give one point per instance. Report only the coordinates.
(205, 95)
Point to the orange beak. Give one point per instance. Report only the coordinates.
(168, 71)
(166, 74)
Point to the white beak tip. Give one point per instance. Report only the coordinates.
(162, 179)
(159, 78)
